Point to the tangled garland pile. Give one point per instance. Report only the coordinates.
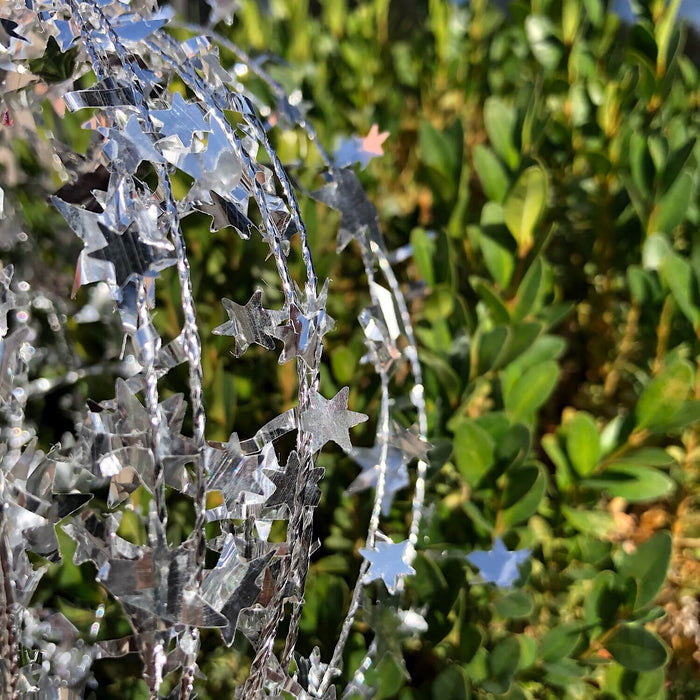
(128, 64)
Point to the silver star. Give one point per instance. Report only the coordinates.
(127, 147)
(498, 565)
(389, 562)
(247, 324)
(302, 335)
(330, 420)
(183, 119)
(396, 476)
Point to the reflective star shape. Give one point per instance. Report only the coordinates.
(239, 478)
(396, 474)
(233, 585)
(498, 565)
(130, 256)
(128, 147)
(330, 420)
(182, 119)
(282, 501)
(358, 216)
(361, 150)
(303, 333)
(389, 562)
(248, 324)
(409, 441)
(157, 583)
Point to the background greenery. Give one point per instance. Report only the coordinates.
(544, 167)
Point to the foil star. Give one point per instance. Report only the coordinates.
(182, 119)
(248, 324)
(127, 147)
(358, 216)
(498, 565)
(130, 256)
(396, 475)
(303, 334)
(389, 562)
(361, 150)
(329, 420)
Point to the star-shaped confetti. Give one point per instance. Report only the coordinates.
(183, 120)
(248, 324)
(361, 150)
(328, 420)
(127, 147)
(498, 565)
(358, 217)
(130, 256)
(396, 475)
(282, 502)
(232, 585)
(303, 333)
(389, 562)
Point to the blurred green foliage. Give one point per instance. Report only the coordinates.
(544, 167)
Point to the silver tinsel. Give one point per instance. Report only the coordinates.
(128, 442)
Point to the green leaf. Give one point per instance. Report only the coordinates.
(675, 164)
(664, 396)
(583, 442)
(559, 642)
(474, 451)
(648, 566)
(589, 522)
(529, 290)
(636, 648)
(344, 364)
(563, 472)
(442, 152)
(525, 206)
(605, 597)
(495, 243)
(531, 390)
(514, 605)
(522, 495)
(545, 46)
(678, 275)
(451, 684)
(502, 663)
(633, 482)
(641, 164)
(499, 122)
(423, 252)
(498, 310)
(672, 209)
(493, 176)
(488, 347)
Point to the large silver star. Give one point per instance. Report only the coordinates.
(389, 562)
(330, 420)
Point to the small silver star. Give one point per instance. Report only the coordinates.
(389, 562)
(396, 476)
(247, 324)
(498, 565)
(182, 119)
(330, 420)
(127, 147)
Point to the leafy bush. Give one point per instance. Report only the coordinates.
(543, 165)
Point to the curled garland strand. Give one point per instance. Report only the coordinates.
(138, 233)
